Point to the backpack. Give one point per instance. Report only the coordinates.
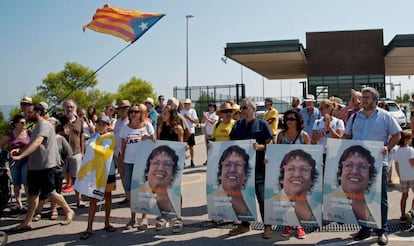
(5, 181)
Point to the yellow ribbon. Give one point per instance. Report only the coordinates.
(102, 153)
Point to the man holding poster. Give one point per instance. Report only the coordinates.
(373, 123)
(250, 127)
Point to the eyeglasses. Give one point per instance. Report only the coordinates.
(236, 165)
(166, 164)
(134, 111)
(244, 107)
(226, 111)
(361, 167)
(289, 169)
(290, 119)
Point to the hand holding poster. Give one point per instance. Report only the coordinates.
(293, 185)
(352, 194)
(156, 179)
(230, 181)
(94, 170)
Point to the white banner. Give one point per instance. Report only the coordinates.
(352, 189)
(156, 178)
(293, 185)
(94, 170)
(230, 181)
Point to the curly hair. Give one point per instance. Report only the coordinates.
(366, 154)
(241, 152)
(168, 151)
(303, 156)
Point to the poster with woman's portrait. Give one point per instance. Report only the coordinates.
(156, 178)
(352, 189)
(293, 185)
(230, 181)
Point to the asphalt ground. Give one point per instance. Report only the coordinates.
(198, 230)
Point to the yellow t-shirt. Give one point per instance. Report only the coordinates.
(269, 115)
(222, 131)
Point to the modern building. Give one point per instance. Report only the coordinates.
(332, 62)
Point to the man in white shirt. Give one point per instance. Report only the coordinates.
(191, 118)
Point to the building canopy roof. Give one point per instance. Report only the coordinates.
(286, 59)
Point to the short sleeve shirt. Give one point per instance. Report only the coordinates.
(132, 137)
(47, 154)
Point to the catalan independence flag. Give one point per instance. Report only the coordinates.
(127, 24)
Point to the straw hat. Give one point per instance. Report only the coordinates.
(236, 108)
(124, 103)
(225, 106)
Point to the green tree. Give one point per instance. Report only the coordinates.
(4, 125)
(75, 82)
(202, 103)
(406, 98)
(136, 91)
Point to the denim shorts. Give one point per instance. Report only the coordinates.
(129, 168)
(19, 173)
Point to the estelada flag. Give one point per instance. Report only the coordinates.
(127, 24)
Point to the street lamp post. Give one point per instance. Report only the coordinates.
(186, 47)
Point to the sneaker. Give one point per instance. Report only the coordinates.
(240, 229)
(361, 235)
(383, 239)
(403, 220)
(300, 232)
(192, 164)
(267, 233)
(287, 231)
(68, 189)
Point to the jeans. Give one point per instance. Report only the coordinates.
(384, 205)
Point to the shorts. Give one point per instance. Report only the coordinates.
(191, 140)
(405, 185)
(19, 173)
(110, 183)
(41, 182)
(119, 163)
(129, 168)
(72, 166)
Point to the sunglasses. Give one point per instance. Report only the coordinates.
(290, 119)
(244, 107)
(25, 104)
(226, 111)
(22, 122)
(134, 111)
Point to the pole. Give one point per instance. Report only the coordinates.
(186, 52)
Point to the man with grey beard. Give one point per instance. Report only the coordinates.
(73, 131)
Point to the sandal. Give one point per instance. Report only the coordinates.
(37, 217)
(109, 228)
(130, 225)
(161, 224)
(177, 226)
(85, 235)
(143, 226)
(54, 215)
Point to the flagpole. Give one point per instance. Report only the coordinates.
(89, 77)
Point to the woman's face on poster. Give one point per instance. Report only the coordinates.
(160, 172)
(232, 174)
(355, 174)
(297, 180)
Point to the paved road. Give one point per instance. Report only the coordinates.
(197, 230)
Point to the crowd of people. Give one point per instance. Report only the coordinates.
(52, 149)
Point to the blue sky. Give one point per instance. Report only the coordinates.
(40, 36)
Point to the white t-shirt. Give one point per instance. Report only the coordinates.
(209, 126)
(319, 126)
(132, 137)
(193, 115)
(403, 156)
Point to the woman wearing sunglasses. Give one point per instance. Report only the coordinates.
(293, 133)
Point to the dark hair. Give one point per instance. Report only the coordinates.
(268, 99)
(239, 151)
(37, 107)
(171, 153)
(366, 154)
(17, 118)
(405, 134)
(302, 155)
(299, 120)
(212, 105)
